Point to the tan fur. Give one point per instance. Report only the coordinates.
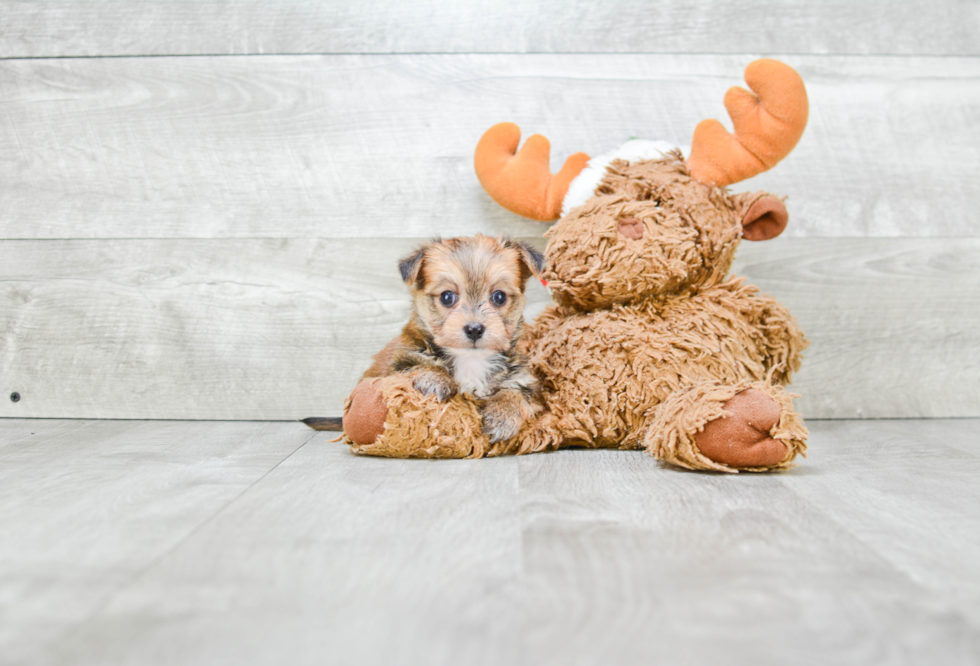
(473, 268)
(433, 349)
(650, 336)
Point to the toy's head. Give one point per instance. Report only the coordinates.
(659, 224)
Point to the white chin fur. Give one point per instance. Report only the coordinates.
(472, 369)
(583, 187)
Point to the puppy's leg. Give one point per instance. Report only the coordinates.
(429, 377)
(506, 411)
(435, 381)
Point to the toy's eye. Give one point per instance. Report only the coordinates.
(498, 298)
(447, 298)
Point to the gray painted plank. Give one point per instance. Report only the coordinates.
(381, 146)
(868, 552)
(87, 507)
(892, 322)
(237, 329)
(92, 28)
(282, 329)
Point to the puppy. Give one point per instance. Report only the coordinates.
(462, 337)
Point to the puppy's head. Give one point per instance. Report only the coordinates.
(469, 292)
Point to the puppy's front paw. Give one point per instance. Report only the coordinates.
(439, 384)
(500, 421)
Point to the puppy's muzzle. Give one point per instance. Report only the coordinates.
(474, 331)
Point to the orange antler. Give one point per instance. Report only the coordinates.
(522, 182)
(767, 126)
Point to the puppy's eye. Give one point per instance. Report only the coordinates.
(447, 298)
(498, 297)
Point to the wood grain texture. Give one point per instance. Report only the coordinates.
(86, 508)
(92, 28)
(914, 498)
(893, 323)
(839, 561)
(868, 552)
(381, 146)
(282, 329)
(337, 560)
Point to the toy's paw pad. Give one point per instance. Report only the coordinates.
(365, 418)
(431, 382)
(742, 438)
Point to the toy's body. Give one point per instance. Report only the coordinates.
(607, 373)
(652, 344)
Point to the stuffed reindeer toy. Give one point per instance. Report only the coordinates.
(651, 343)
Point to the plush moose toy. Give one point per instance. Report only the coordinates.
(651, 343)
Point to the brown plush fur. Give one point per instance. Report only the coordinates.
(650, 340)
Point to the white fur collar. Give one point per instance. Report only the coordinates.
(473, 368)
(583, 187)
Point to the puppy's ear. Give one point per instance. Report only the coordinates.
(411, 267)
(532, 261)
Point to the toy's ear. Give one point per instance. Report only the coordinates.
(411, 266)
(763, 215)
(532, 261)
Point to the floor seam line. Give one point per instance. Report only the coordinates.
(858, 538)
(132, 580)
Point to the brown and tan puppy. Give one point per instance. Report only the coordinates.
(466, 323)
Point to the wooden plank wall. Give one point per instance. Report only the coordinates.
(202, 204)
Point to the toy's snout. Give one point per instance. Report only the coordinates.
(631, 227)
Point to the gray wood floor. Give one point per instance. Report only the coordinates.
(175, 542)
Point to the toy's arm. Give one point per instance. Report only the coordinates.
(781, 341)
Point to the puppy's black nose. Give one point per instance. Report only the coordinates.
(474, 331)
